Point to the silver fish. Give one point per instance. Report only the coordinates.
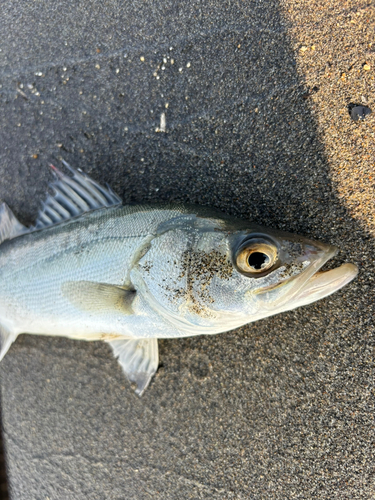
(94, 269)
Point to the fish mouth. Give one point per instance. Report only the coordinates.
(315, 284)
(324, 283)
(312, 284)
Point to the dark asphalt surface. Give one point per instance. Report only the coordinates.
(280, 409)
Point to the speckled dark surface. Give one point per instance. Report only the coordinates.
(280, 409)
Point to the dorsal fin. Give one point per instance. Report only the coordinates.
(73, 196)
(10, 226)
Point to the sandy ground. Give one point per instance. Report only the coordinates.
(256, 97)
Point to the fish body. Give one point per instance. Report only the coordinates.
(45, 275)
(94, 269)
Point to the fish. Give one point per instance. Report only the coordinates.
(94, 269)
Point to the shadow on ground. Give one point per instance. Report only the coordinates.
(279, 409)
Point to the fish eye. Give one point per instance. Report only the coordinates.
(256, 256)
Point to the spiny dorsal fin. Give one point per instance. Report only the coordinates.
(73, 196)
(10, 226)
(139, 358)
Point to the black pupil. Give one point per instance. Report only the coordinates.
(257, 259)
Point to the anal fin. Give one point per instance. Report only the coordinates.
(139, 358)
(7, 337)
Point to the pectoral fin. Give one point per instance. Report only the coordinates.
(138, 358)
(99, 297)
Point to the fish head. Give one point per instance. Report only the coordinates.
(212, 275)
(284, 270)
